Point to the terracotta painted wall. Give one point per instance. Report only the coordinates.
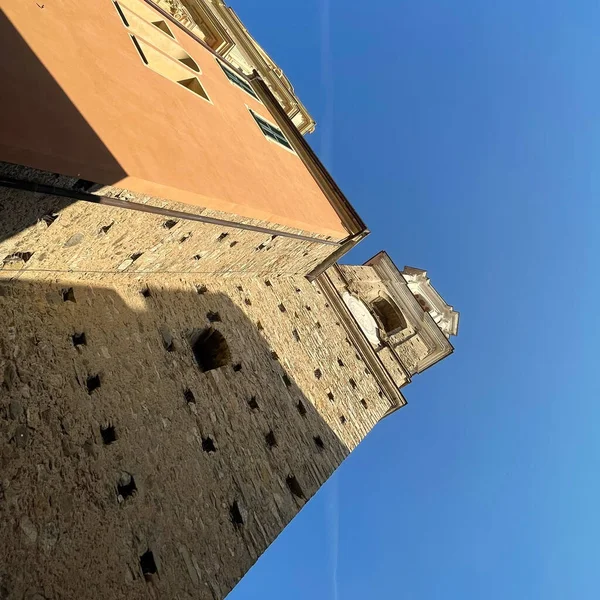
(78, 100)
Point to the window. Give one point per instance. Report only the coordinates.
(390, 316)
(271, 132)
(238, 80)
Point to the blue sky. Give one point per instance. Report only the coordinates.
(467, 135)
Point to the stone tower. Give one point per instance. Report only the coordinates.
(183, 360)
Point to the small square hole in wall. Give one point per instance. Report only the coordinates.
(222, 237)
(234, 243)
(296, 335)
(248, 302)
(148, 565)
(213, 317)
(135, 256)
(240, 288)
(126, 486)
(340, 362)
(259, 326)
(282, 308)
(308, 308)
(146, 293)
(364, 403)
(92, 383)
(342, 419)
(294, 486)
(270, 439)
(318, 373)
(318, 324)
(201, 289)
(189, 396)
(268, 283)
(380, 393)
(237, 367)
(352, 383)
(68, 295)
(79, 339)
(298, 290)
(197, 257)
(169, 224)
(106, 228)
(319, 442)
(330, 396)
(286, 380)
(49, 219)
(301, 409)
(274, 355)
(185, 238)
(208, 445)
(253, 403)
(235, 515)
(108, 433)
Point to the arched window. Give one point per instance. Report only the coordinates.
(390, 316)
(210, 349)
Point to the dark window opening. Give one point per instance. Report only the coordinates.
(210, 349)
(235, 515)
(93, 383)
(208, 445)
(364, 403)
(79, 339)
(330, 396)
(169, 224)
(213, 317)
(319, 442)
(286, 380)
(270, 439)
(271, 131)
(390, 316)
(352, 383)
(340, 362)
(109, 434)
(301, 409)
(294, 486)
(126, 486)
(68, 295)
(239, 81)
(189, 396)
(252, 403)
(148, 565)
(318, 373)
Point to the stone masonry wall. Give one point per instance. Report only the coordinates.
(100, 394)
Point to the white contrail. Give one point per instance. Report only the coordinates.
(327, 84)
(333, 516)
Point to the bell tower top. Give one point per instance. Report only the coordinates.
(430, 300)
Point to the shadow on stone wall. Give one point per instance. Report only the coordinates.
(39, 124)
(124, 469)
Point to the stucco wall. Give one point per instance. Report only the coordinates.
(108, 118)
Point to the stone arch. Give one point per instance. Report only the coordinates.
(389, 315)
(210, 349)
